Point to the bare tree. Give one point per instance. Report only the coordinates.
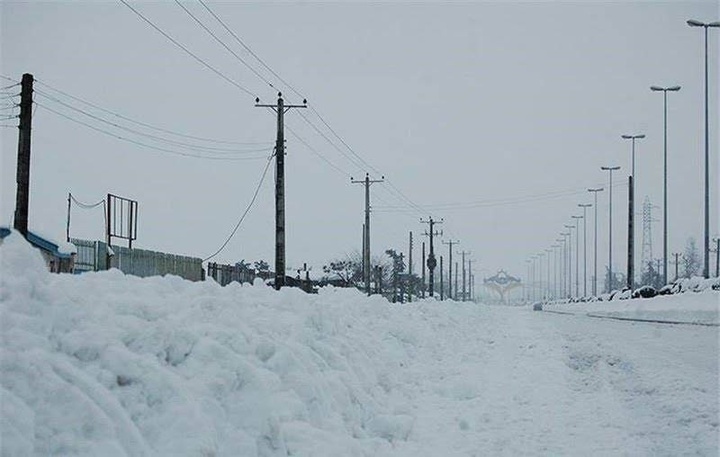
(691, 259)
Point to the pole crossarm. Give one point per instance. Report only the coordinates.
(280, 109)
(367, 182)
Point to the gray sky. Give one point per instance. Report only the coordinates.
(479, 110)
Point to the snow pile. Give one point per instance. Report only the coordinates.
(691, 307)
(108, 364)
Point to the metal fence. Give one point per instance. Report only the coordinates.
(92, 256)
(225, 274)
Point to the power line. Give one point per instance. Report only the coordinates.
(159, 129)
(194, 56)
(242, 218)
(170, 151)
(350, 159)
(315, 151)
(352, 151)
(362, 165)
(222, 43)
(208, 149)
(497, 202)
(229, 30)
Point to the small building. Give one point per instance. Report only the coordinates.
(59, 257)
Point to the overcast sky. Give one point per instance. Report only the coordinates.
(495, 116)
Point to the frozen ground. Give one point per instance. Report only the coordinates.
(112, 365)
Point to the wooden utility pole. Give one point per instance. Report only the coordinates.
(470, 280)
(442, 296)
(281, 108)
(464, 283)
(431, 261)
(410, 285)
(366, 242)
(456, 279)
(450, 264)
(22, 200)
(422, 289)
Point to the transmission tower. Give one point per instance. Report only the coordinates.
(647, 254)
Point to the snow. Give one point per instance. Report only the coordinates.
(114, 365)
(690, 307)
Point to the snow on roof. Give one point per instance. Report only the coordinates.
(61, 249)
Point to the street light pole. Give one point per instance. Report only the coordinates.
(585, 206)
(631, 220)
(610, 270)
(665, 210)
(706, 264)
(577, 254)
(547, 288)
(595, 192)
(567, 261)
(558, 267)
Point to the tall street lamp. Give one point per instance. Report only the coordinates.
(559, 272)
(665, 90)
(548, 288)
(595, 192)
(584, 206)
(577, 254)
(565, 291)
(610, 270)
(569, 259)
(631, 214)
(706, 265)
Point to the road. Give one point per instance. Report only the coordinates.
(518, 382)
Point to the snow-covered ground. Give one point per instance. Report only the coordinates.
(109, 365)
(690, 308)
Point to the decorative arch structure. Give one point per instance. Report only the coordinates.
(502, 283)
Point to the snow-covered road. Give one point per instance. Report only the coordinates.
(517, 382)
(114, 365)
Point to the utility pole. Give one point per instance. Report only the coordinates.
(410, 285)
(464, 286)
(22, 197)
(470, 279)
(399, 276)
(422, 289)
(281, 108)
(450, 247)
(442, 296)
(717, 257)
(366, 242)
(631, 234)
(431, 261)
(456, 280)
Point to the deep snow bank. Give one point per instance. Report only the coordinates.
(113, 365)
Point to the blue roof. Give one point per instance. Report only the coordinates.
(39, 242)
